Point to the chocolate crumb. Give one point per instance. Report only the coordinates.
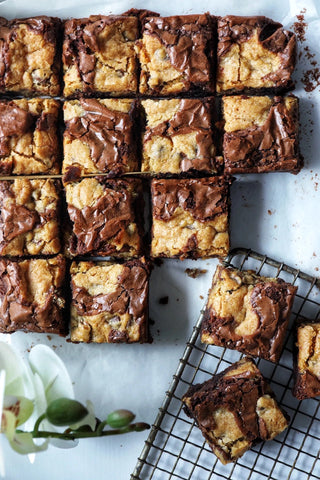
(164, 300)
(195, 272)
(269, 212)
(201, 296)
(151, 321)
(300, 26)
(49, 337)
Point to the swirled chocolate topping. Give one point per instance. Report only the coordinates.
(14, 219)
(193, 116)
(107, 132)
(187, 40)
(235, 29)
(94, 226)
(204, 198)
(18, 311)
(13, 121)
(48, 27)
(130, 296)
(81, 43)
(237, 390)
(274, 143)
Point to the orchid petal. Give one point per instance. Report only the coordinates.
(18, 373)
(60, 443)
(52, 371)
(89, 419)
(23, 443)
(21, 407)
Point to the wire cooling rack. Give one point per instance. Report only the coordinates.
(175, 448)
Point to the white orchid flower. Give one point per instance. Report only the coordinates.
(26, 389)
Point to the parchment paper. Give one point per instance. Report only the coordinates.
(274, 214)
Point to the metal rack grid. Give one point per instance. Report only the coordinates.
(175, 448)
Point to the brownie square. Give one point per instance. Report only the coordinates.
(247, 312)
(29, 56)
(31, 295)
(190, 217)
(100, 137)
(179, 136)
(254, 53)
(99, 56)
(106, 217)
(234, 410)
(29, 217)
(261, 134)
(29, 137)
(109, 302)
(307, 360)
(176, 55)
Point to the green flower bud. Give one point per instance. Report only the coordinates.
(65, 411)
(120, 418)
(140, 426)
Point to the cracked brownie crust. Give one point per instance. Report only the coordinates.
(28, 137)
(99, 137)
(31, 295)
(29, 57)
(176, 54)
(178, 136)
(29, 220)
(106, 217)
(307, 360)
(190, 217)
(234, 410)
(254, 53)
(109, 302)
(247, 312)
(261, 134)
(99, 57)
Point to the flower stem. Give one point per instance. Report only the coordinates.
(134, 427)
(37, 424)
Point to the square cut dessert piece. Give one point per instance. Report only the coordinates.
(179, 136)
(106, 216)
(99, 56)
(29, 56)
(176, 55)
(31, 295)
(109, 301)
(29, 137)
(234, 410)
(100, 137)
(261, 134)
(190, 217)
(247, 312)
(29, 217)
(307, 360)
(254, 53)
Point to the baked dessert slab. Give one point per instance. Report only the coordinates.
(106, 217)
(109, 302)
(100, 137)
(247, 312)
(29, 56)
(31, 295)
(179, 136)
(29, 217)
(176, 55)
(99, 56)
(307, 360)
(261, 134)
(190, 217)
(234, 410)
(29, 137)
(254, 53)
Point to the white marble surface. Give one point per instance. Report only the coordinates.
(275, 214)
